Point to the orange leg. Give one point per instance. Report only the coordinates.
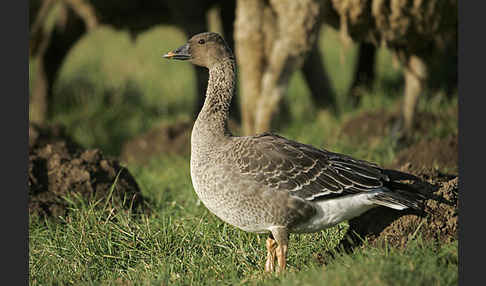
(282, 256)
(281, 236)
(271, 246)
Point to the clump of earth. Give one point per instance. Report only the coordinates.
(438, 222)
(161, 139)
(166, 138)
(436, 152)
(59, 168)
(371, 126)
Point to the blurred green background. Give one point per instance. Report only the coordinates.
(111, 89)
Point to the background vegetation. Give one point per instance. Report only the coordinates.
(110, 90)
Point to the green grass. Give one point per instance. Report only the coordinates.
(110, 90)
(181, 243)
(419, 264)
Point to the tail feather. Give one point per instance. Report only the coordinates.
(399, 199)
(395, 175)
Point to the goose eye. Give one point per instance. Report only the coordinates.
(202, 41)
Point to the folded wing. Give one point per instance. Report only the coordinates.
(305, 171)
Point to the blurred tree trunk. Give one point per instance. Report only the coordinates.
(50, 54)
(248, 36)
(271, 41)
(39, 40)
(317, 79)
(418, 32)
(364, 73)
(415, 82)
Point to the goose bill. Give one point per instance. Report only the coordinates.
(182, 53)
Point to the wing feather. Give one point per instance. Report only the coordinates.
(305, 171)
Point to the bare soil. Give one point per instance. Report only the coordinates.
(374, 125)
(58, 167)
(437, 152)
(173, 138)
(437, 223)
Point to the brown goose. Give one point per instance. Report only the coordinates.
(270, 184)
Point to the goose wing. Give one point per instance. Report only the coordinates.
(305, 171)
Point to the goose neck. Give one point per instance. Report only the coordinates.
(213, 118)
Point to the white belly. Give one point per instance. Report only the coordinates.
(333, 211)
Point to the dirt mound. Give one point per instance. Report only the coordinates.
(368, 126)
(174, 138)
(60, 169)
(437, 152)
(374, 125)
(438, 223)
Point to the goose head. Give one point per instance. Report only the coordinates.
(204, 49)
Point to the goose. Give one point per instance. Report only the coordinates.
(267, 183)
